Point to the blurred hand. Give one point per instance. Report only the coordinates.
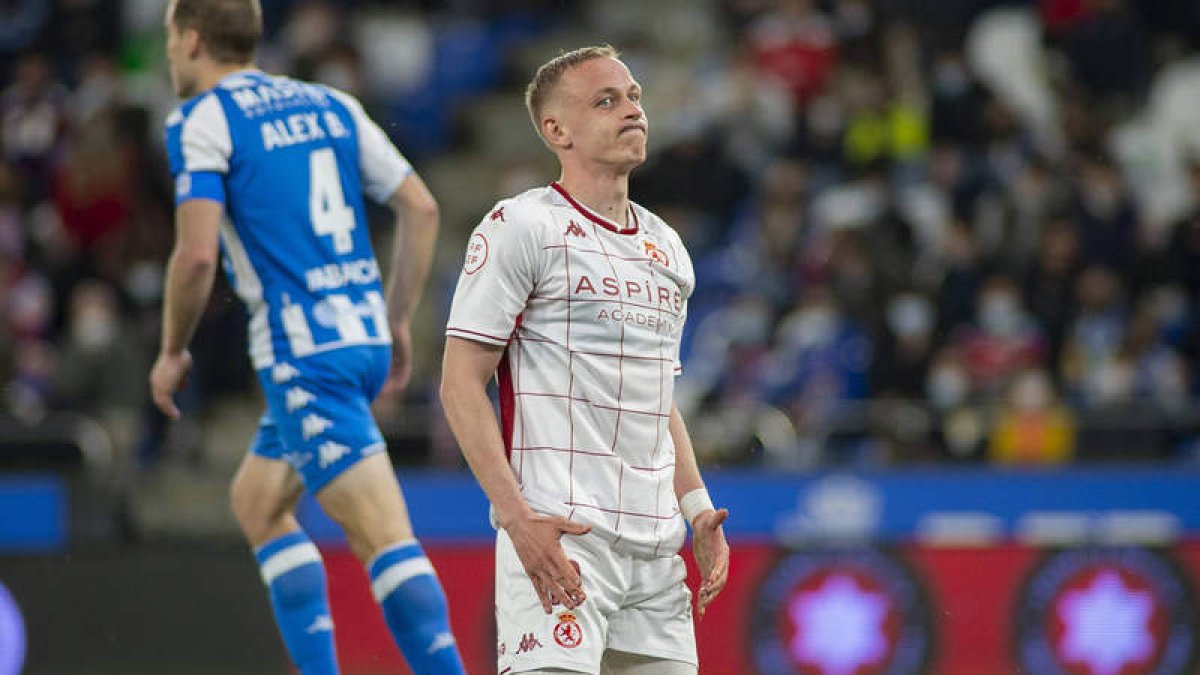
(401, 370)
(555, 578)
(168, 376)
(712, 555)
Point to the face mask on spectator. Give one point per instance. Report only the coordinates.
(947, 386)
(94, 329)
(999, 313)
(909, 316)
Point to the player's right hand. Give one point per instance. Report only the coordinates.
(168, 375)
(555, 578)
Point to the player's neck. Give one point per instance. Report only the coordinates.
(213, 73)
(605, 194)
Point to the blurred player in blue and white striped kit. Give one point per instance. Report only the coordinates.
(288, 162)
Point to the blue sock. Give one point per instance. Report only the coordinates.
(415, 608)
(291, 567)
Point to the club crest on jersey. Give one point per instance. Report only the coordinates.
(574, 230)
(568, 632)
(656, 254)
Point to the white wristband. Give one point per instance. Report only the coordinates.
(694, 503)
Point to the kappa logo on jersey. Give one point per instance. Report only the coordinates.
(528, 643)
(284, 372)
(477, 253)
(331, 452)
(574, 230)
(297, 398)
(314, 425)
(498, 214)
(183, 185)
(320, 624)
(568, 633)
(656, 254)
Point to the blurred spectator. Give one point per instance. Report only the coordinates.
(1002, 340)
(1109, 50)
(906, 348)
(1094, 339)
(795, 42)
(1107, 218)
(1032, 427)
(33, 122)
(101, 364)
(1049, 287)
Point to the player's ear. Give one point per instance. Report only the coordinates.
(555, 133)
(190, 39)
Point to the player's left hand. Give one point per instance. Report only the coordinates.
(168, 375)
(401, 370)
(712, 555)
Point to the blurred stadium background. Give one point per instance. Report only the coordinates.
(941, 363)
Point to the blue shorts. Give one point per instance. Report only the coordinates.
(318, 416)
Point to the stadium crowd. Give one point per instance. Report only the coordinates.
(922, 231)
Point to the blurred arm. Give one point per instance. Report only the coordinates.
(190, 271)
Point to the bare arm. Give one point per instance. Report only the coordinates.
(687, 471)
(466, 369)
(416, 213)
(189, 281)
(708, 536)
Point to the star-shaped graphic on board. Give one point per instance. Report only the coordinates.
(1107, 625)
(839, 626)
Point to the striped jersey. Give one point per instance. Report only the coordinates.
(590, 315)
(290, 161)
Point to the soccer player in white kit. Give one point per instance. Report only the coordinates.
(574, 298)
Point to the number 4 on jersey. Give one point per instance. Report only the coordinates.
(327, 203)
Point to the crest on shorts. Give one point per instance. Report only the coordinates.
(568, 633)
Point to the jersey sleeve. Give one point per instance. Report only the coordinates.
(380, 164)
(689, 286)
(499, 273)
(198, 150)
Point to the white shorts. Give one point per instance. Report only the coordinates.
(633, 605)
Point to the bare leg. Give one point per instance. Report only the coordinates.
(624, 663)
(263, 496)
(366, 501)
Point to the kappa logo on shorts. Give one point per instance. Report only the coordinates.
(528, 643)
(297, 398)
(574, 230)
(313, 425)
(568, 633)
(331, 452)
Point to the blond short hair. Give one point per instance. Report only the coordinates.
(550, 73)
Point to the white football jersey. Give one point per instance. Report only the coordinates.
(591, 315)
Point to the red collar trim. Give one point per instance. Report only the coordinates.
(595, 217)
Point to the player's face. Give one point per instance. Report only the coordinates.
(602, 112)
(182, 79)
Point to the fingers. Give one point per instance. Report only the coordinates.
(559, 585)
(572, 527)
(166, 403)
(719, 518)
